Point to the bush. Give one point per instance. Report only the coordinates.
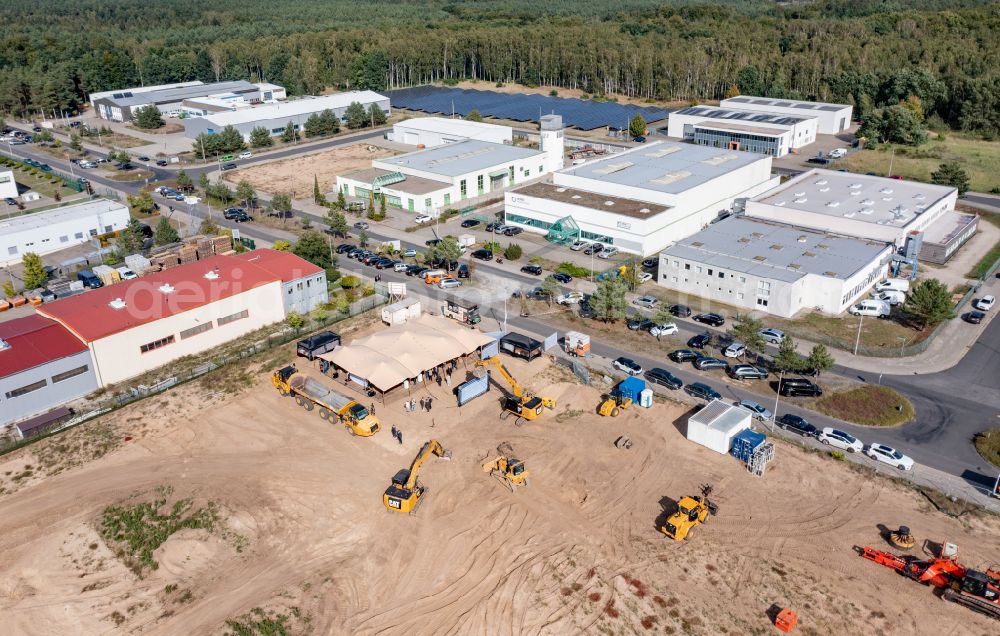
(573, 270)
(369, 291)
(513, 252)
(350, 282)
(332, 274)
(837, 455)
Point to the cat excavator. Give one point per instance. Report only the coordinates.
(406, 492)
(509, 470)
(521, 404)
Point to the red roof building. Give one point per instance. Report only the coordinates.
(303, 285)
(33, 341)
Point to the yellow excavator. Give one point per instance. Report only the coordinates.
(521, 404)
(507, 468)
(405, 492)
(691, 511)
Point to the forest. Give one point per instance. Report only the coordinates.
(943, 54)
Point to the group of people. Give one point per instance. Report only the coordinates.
(410, 406)
(397, 434)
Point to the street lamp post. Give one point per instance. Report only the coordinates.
(902, 344)
(774, 415)
(857, 342)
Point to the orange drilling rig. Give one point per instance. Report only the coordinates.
(979, 591)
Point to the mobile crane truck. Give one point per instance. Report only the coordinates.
(333, 406)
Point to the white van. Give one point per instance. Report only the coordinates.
(877, 308)
(895, 284)
(890, 296)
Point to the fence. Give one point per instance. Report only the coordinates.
(142, 391)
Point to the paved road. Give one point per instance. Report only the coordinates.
(981, 199)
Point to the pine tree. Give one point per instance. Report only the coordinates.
(930, 302)
(788, 359)
(165, 233)
(820, 359)
(33, 272)
(608, 301)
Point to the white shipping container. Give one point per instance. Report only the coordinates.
(715, 425)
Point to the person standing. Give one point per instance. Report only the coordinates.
(372, 409)
(393, 430)
(399, 436)
(429, 404)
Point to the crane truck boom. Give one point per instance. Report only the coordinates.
(333, 406)
(405, 492)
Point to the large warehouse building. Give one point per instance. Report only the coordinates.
(763, 133)
(437, 131)
(773, 267)
(303, 285)
(275, 117)
(120, 105)
(42, 365)
(831, 118)
(858, 205)
(136, 326)
(643, 199)
(59, 228)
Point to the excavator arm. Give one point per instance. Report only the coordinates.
(498, 365)
(433, 447)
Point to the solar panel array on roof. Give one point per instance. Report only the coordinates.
(578, 113)
(741, 115)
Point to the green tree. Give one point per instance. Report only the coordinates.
(295, 320)
(220, 192)
(448, 249)
(120, 157)
(662, 315)
(381, 209)
(165, 233)
(281, 245)
(513, 252)
(952, 174)
(33, 272)
(43, 136)
(313, 247)
(746, 329)
(631, 275)
(376, 115)
(341, 200)
(290, 134)
(74, 143)
(337, 222)
(208, 227)
(203, 181)
(929, 302)
(820, 359)
(147, 117)
(318, 197)
(313, 126)
(131, 238)
(246, 194)
(260, 137)
(362, 238)
(608, 302)
(8, 290)
(550, 287)
(356, 116)
(788, 358)
(894, 124)
(184, 181)
(474, 115)
(142, 204)
(330, 122)
(281, 202)
(637, 126)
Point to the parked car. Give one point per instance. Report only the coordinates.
(746, 372)
(384, 263)
(10, 201)
(410, 252)
(819, 161)
(432, 242)
(512, 231)
(361, 225)
(985, 303)
(559, 277)
(889, 455)
(579, 245)
(639, 139)
(421, 218)
(796, 387)
(681, 311)
(462, 271)
(699, 341)
(645, 277)
(703, 391)
(232, 213)
(229, 166)
(649, 263)
(162, 162)
(840, 439)
(344, 247)
(735, 350)
(639, 323)
(317, 344)
(416, 270)
(490, 227)
(535, 270)
(759, 412)
(707, 363)
(593, 248)
(774, 336)
(246, 154)
(569, 298)
(242, 217)
(973, 317)
(607, 252)
(837, 153)
(627, 365)
(470, 223)
(400, 266)
(143, 158)
(448, 283)
(664, 329)
(649, 302)
(682, 355)
(656, 375)
(89, 279)
(499, 228)
(483, 255)
(710, 319)
(797, 424)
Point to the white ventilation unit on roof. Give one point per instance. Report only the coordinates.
(821, 182)
(800, 193)
(867, 202)
(117, 303)
(718, 160)
(919, 197)
(663, 152)
(212, 275)
(826, 189)
(166, 288)
(644, 210)
(849, 215)
(855, 186)
(577, 196)
(833, 204)
(614, 167)
(887, 199)
(886, 190)
(868, 211)
(672, 177)
(801, 200)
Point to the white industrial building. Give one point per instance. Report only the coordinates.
(8, 185)
(170, 99)
(138, 90)
(853, 204)
(437, 131)
(773, 267)
(303, 285)
(643, 199)
(832, 118)
(138, 325)
(763, 133)
(275, 117)
(428, 181)
(59, 228)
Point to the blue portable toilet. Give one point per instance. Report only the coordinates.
(745, 443)
(631, 387)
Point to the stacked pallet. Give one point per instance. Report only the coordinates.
(166, 260)
(108, 275)
(206, 248)
(137, 263)
(188, 253)
(222, 244)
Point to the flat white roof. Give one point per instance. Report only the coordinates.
(722, 417)
(855, 196)
(462, 157)
(670, 167)
(448, 126)
(295, 108)
(58, 215)
(144, 89)
(749, 100)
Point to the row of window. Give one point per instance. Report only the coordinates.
(712, 272)
(193, 331)
(864, 284)
(761, 300)
(11, 251)
(41, 384)
(748, 142)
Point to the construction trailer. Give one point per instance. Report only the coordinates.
(576, 344)
(398, 313)
(715, 425)
(463, 311)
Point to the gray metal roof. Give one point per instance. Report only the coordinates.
(72, 212)
(126, 98)
(776, 251)
(787, 103)
(742, 115)
(664, 166)
(463, 157)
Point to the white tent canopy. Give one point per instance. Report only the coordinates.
(403, 352)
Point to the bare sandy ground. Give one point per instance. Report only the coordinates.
(297, 174)
(576, 552)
